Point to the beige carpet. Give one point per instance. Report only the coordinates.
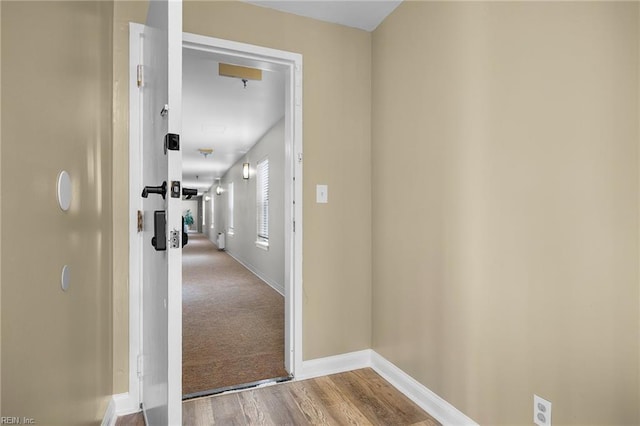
(232, 322)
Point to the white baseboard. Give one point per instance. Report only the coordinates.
(109, 418)
(277, 287)
(430, 402)
(334, 364)
(125, 404)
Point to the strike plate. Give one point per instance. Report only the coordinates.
(175, 239)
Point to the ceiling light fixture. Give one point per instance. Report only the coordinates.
(218, 190)
(245, 170)
(243, 73)
(205, 151)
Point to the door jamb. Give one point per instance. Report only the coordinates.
(292, 65)
(132, 403)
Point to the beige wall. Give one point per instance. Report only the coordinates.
(56, 106)
(337, 152)
(505, 207)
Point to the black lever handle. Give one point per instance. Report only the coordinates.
(189, 192)
(162, 190)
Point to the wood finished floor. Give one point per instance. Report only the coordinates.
(359, 397)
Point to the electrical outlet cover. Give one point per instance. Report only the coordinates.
(541, 411)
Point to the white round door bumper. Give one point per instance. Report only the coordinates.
(64, 190)
(65, 277)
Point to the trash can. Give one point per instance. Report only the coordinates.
(220, 241)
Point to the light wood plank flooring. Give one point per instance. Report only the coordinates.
(359, 397)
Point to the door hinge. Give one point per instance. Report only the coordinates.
(140, 365)
(139, 75)
(294, 226)
(140, 221)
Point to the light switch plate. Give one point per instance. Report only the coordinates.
(322, 194)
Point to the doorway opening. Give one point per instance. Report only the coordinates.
(233, 154)
(211, 211)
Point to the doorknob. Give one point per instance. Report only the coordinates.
(162, 190)
(189, 192)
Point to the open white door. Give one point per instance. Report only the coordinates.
(162, 259)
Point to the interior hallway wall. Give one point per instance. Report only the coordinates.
(337, 152)
(267, 264)
(56, 108)
(505, 208)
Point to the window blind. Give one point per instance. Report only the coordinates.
(230, 199)
(262, 202)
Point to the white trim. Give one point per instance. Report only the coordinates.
(291, 64)
(293, 244)
(144, 415)
(110, 417)
(125, 404)
(428, 400)
(262, 245)
(277, 287)
(135, 238)
(334, 364)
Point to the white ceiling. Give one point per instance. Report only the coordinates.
(363, 14)
(219, 113)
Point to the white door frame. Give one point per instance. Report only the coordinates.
(291, 64)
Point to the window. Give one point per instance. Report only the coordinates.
(213, 214)
(262, 202)
(230, 212)
(204, 218)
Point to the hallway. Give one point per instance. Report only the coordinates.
(233, 323)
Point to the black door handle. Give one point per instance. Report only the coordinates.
(162, 190)
(189, 192)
